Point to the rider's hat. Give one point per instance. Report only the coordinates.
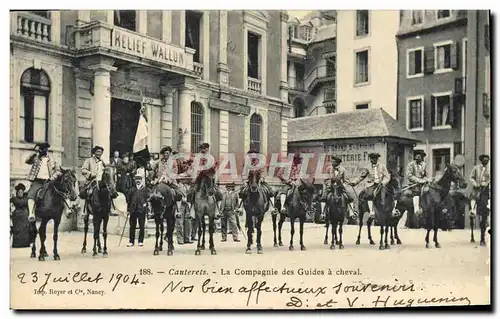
(483, 156)
(95, 148)
(204, 146)
(165, 149)
(419, 152)
(373, 155)
(336, 159)
(20, 186)
(252, 151)
(43, 145)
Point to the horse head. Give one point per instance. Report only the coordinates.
(336, 189)
(453, 172)
(207, 185)
(157, 201)
(66, 184)
(253, 181)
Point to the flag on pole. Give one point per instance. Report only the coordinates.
(140, 150)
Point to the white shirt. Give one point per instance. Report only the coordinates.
(376, 177)
(44, 169)
(100, 170)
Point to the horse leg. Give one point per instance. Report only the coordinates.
(398, 241)
(105, 235)
(327, 225)
(341, 226)
(483, 218)
(43, 236)
(274, 217)
(386, 233)
(435, 237)
(358, 241)
(33, 244)
(392, 237)
(55, 236)
(170, 233)
(97, 225)
(156, 252)
(280, 227)
(369, 225)
(292, 231)
(211, 231)
(301, 232)
(162, 230)
(204, 227)
(472, 220)
(85, 232)
(381, 245)
(198, 250)
(332, 246)
(259, 234)
(249, 224)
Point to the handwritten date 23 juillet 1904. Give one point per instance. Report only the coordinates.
(330, 294)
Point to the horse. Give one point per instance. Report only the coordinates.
(205, 205)
(51, 206)
(99, 206)
(296, 208)
(434, 194)
(278, 224)
(162, 199)
(256, 205)
(337, 206)
(483, 212)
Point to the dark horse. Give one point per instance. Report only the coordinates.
(51, 206)
(278, 224)
(163, 208)
(433, 197)
(336, 207)
(483, 211)
(296, 207)
(99, 206)
(205, 205)
(256, 205)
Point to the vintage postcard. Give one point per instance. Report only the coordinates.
(250, 159)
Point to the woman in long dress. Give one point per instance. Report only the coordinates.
(125, 174)
(21, 230)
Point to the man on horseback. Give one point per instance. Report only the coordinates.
(43, 170)
(92, 170)
(294, 181)
(417, 174)
(480, 178)
(210, 172)
(336, 173)
(162, 173)
(255, 169)
(378, 177)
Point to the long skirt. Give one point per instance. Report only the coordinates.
(21, 231)
(125, 182)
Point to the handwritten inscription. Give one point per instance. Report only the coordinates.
(180, 283)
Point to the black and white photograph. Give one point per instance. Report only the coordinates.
(196, 159)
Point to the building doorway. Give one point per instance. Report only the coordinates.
(124, 121)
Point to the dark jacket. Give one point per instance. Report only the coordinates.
(137, 200)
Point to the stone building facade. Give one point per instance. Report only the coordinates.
(204, 76)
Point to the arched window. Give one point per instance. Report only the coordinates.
(255, 132)
(196, 125)
(34, 106)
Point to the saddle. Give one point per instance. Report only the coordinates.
(40, 193)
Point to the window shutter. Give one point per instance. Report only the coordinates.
(451, 113)
(454, 56)
(433, 110)
(429, 60)
(411, 62)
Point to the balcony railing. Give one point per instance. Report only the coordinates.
(32, 26)
(198, 69)
(254, 85)
(320, 72)
(330, 95)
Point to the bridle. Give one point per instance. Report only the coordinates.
(64, 193)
